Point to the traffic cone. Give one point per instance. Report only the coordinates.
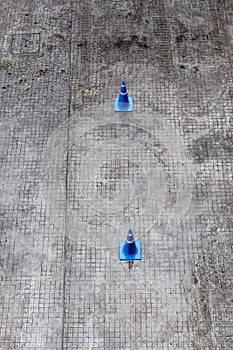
(123, 103)
(130, 249)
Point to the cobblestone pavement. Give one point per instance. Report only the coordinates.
(75, 176)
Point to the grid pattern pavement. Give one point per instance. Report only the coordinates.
(75, 176)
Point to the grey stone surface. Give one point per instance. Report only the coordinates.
(75, 176)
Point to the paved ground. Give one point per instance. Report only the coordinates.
(75, 176)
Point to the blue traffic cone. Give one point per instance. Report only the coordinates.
(123, 103)
(130, 249)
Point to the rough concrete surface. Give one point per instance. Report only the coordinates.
(75, 176)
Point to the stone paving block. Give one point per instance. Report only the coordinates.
(25, 43)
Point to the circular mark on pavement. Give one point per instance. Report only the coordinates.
(112, 177)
